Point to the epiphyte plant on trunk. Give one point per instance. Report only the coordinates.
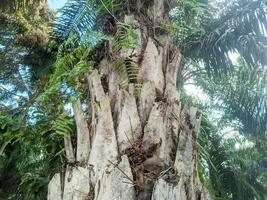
(141, 142)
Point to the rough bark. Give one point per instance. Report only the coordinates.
(83, 135)
(139, 147)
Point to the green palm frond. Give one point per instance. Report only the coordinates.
(228, 172)
(72, 63)
(79, 16)
(244, 96)
(239, 29)
(76, 16)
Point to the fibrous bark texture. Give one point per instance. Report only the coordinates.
(140, 146)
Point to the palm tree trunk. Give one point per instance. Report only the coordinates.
(138, 147)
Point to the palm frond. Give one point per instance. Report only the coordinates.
(230, 173)
(76, 16)
(244, 96)
(240, 29)
(79, 16)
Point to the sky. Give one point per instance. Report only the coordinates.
(56, 4)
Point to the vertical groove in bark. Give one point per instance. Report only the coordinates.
(141, 148)
(113, 91)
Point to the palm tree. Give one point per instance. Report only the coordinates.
(235, 172)
(141, 142)
(244, 96)
(230, 172)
